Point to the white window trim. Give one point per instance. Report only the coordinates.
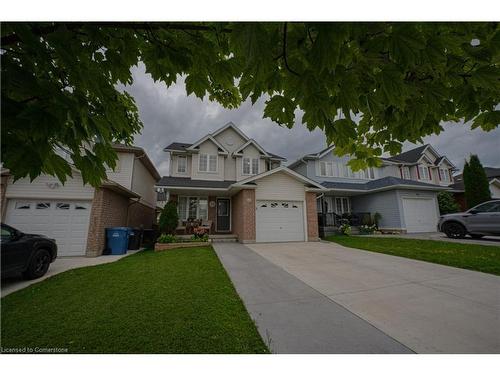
(208, 163)
(342, 204)
(423, 166)
(188, 197)
(406, 173)
(445, 177)
(338, 170)
(178, 164)
(251, 162)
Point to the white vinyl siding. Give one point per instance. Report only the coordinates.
(279, 186)
(123, 175)
(143, 183)
(49, 187)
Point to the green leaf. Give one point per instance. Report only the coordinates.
(280, 110)
(198, 84)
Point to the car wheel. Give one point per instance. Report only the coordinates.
(477, 236)
(39, 265)
(454, 230)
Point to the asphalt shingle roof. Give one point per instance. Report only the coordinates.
(375, 184)
(188, 182)
(410, 156)
(178, 146)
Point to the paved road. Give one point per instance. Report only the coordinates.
(325, 298)
(10, 285)
(291, 316)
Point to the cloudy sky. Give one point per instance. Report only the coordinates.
(171, 116)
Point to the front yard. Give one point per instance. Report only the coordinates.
(177, 301)
(472, 257)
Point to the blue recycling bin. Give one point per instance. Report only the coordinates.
(117, 240)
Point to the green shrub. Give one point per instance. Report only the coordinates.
(367, 229)
(376, 218)
(167, 238)
(169, 218)
(345, 229)
(477, 188)
(447, 204)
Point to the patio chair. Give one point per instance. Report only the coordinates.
(206, 224)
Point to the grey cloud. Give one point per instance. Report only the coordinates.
(169, 115)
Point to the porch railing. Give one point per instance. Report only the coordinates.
(331, 219)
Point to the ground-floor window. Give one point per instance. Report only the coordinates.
(342, 205)
(192, 208)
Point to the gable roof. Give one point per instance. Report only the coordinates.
(384, 183)
(248, 143)
(410, 156)
(208, 137)
(281, 169)
(232, 126)
(183, 147)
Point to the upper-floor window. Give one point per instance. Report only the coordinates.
(423, 171)
(181, 164)
(250, 166)
(405, 171)
(444, 174)
(207, 163)
(333, 169)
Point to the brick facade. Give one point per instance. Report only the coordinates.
(312, 217)
(109, 209)
(243, 215)
(141, 216)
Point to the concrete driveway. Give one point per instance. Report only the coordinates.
(423, 307)
(12, 284)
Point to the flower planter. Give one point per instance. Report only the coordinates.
(177, 245)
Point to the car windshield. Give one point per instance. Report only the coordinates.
(487, 207)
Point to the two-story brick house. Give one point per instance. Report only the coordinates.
(227, 181)
(402, 190)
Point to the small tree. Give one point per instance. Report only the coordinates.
(447, 203)
(169, 218)
(477, 188)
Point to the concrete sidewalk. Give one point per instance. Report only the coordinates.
(291, 316)
(12, 284)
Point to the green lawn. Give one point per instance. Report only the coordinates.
(472, 257)
(177, 301)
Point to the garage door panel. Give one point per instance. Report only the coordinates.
(279, 221)
(60, 220)
(420, 214)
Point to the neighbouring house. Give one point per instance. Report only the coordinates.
(458, 188)
(76, 214)
(403, 190)
(229, 183)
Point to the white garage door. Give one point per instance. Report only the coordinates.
(65, 221)
(279, 221)
(420, 214)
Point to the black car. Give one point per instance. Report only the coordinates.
(29, 254)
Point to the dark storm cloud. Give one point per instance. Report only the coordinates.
(171, 116)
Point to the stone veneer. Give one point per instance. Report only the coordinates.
(243, 215)
(109, 209)
(312, 217)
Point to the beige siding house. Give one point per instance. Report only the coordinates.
(76, 214)
(229, 183)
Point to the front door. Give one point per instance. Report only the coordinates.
(223, 214)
